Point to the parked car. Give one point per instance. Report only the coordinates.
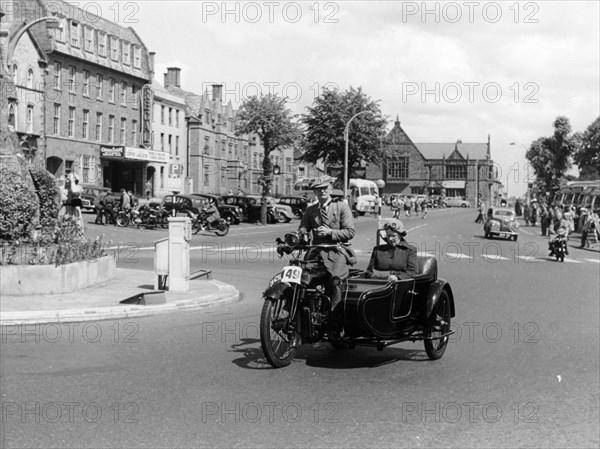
(280, 213)
(297, 203)
(250, 208)
(230, 213)
(501, 222)
(89, 194)
(457, 202)
(182, 204)
(251, 205)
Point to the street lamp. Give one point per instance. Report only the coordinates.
(346, 132)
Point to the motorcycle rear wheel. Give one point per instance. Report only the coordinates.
(122, 220)
(277, 339)
(222, 229)
(435, 348)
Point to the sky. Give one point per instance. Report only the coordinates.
(447, 70)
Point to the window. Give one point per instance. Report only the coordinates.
(111, 90)
(74, 34)
(89, 39)
(133, 97)
(98, 126)
(398, 168)
(86, 164)
(134, 130)
(456, 171)
(57, 77)
(206, 145)
(111, 129)
(223, 174)
(85, 124)
(123, 92)
(86, 83)
(30, 118)
(206, 175)
(114, 48)
(176, 145)
(122, 136)
(170, 116)
(72, 72)
(162, 141)
(162, 115)
(59, 31)
(30, 78)
(12, 116)
(71, 122)
(176, 118)
(170, 141)
(99, 84)
(15, 74)
(101, 44)
(126, 53)
(56, 120)
(137, 57)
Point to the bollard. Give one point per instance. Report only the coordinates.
(379, 205)
(180, 235)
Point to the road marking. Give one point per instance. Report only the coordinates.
(494, 257)
(456, 256)
(593, 260)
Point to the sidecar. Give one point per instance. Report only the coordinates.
(380, 313)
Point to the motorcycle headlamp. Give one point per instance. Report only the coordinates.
(292, 239)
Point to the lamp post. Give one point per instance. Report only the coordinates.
(346, 132)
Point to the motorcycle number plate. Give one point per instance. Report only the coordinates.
(291, 274)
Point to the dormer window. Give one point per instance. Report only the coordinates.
(89, 39)
(101, 43)
(114, 48)
(126, 53)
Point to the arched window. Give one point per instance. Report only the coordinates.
(15, 74)
(12, 116)
(30, 119)
(30, 78)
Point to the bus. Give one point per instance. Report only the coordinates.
(581, 194)
(363, 195)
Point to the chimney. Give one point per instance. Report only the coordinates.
(217, 92)
(151, 63)
(172, 77)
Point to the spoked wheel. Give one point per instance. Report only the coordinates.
(222, 229)
(278, 339)
(164, 222)
(441, 314)
(122, 220)
(197, 226)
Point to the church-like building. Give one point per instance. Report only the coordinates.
(458, 170)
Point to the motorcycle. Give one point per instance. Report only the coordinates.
(376, 312)
(126, 218)
(558, 247)
(148, 217)
(200, 223)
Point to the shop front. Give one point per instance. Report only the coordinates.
(126, 167)
(455, 189)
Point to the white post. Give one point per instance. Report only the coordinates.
(180, 235)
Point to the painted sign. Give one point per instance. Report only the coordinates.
(146, 111)
(146, 155)
(111, 151)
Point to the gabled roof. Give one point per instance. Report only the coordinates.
(445, 150)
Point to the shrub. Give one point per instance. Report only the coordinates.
(18, 207)
(49, 201)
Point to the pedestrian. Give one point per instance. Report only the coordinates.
(593, 229)
(424, 210)
(125, 201)
(543, 219)
(76, 203)
(480, 209)
(527, 214)
(394, 207)
(133, 200)
(518, 211)
(569, 216)
(109, 210)
(534, 213)
(148, 189)
(99, 206)
(584, 226)
(407, 207)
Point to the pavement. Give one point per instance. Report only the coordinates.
(103, 301)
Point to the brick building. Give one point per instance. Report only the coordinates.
(458, 169)
(92, 118)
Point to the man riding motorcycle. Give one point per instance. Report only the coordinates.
(211, 211)
(330, 222)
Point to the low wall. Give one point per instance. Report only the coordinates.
(49, 279)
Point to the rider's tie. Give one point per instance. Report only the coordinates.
(324, 218)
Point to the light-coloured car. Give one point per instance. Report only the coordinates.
(457, 202)
(501, 222)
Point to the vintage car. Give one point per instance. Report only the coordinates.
(457, 202)
(297, 203)
(230, 213)
(280, 213)
(183, 204)
(89, 194)
(376, 312)
(501, 222)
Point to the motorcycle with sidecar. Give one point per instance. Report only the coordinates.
(376, 312)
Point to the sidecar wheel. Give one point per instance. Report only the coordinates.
(441, 325)
(278, 339)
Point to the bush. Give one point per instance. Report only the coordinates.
(18, 207)
(49, 199)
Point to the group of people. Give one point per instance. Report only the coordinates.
(397, 205)
(331, 222)
(106, 209)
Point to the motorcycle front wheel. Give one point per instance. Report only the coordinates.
(122, 220)
(440, 325)
(277, 337)
(197, 226)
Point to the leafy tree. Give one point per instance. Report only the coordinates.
(269, 118)
(587, 156)
(325, 123)
(550, 157)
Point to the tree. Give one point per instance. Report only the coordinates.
(550, 157)
(324, 125)
(269, 118)
(587, 156)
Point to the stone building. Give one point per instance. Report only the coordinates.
(462, 170)
(92, 120)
